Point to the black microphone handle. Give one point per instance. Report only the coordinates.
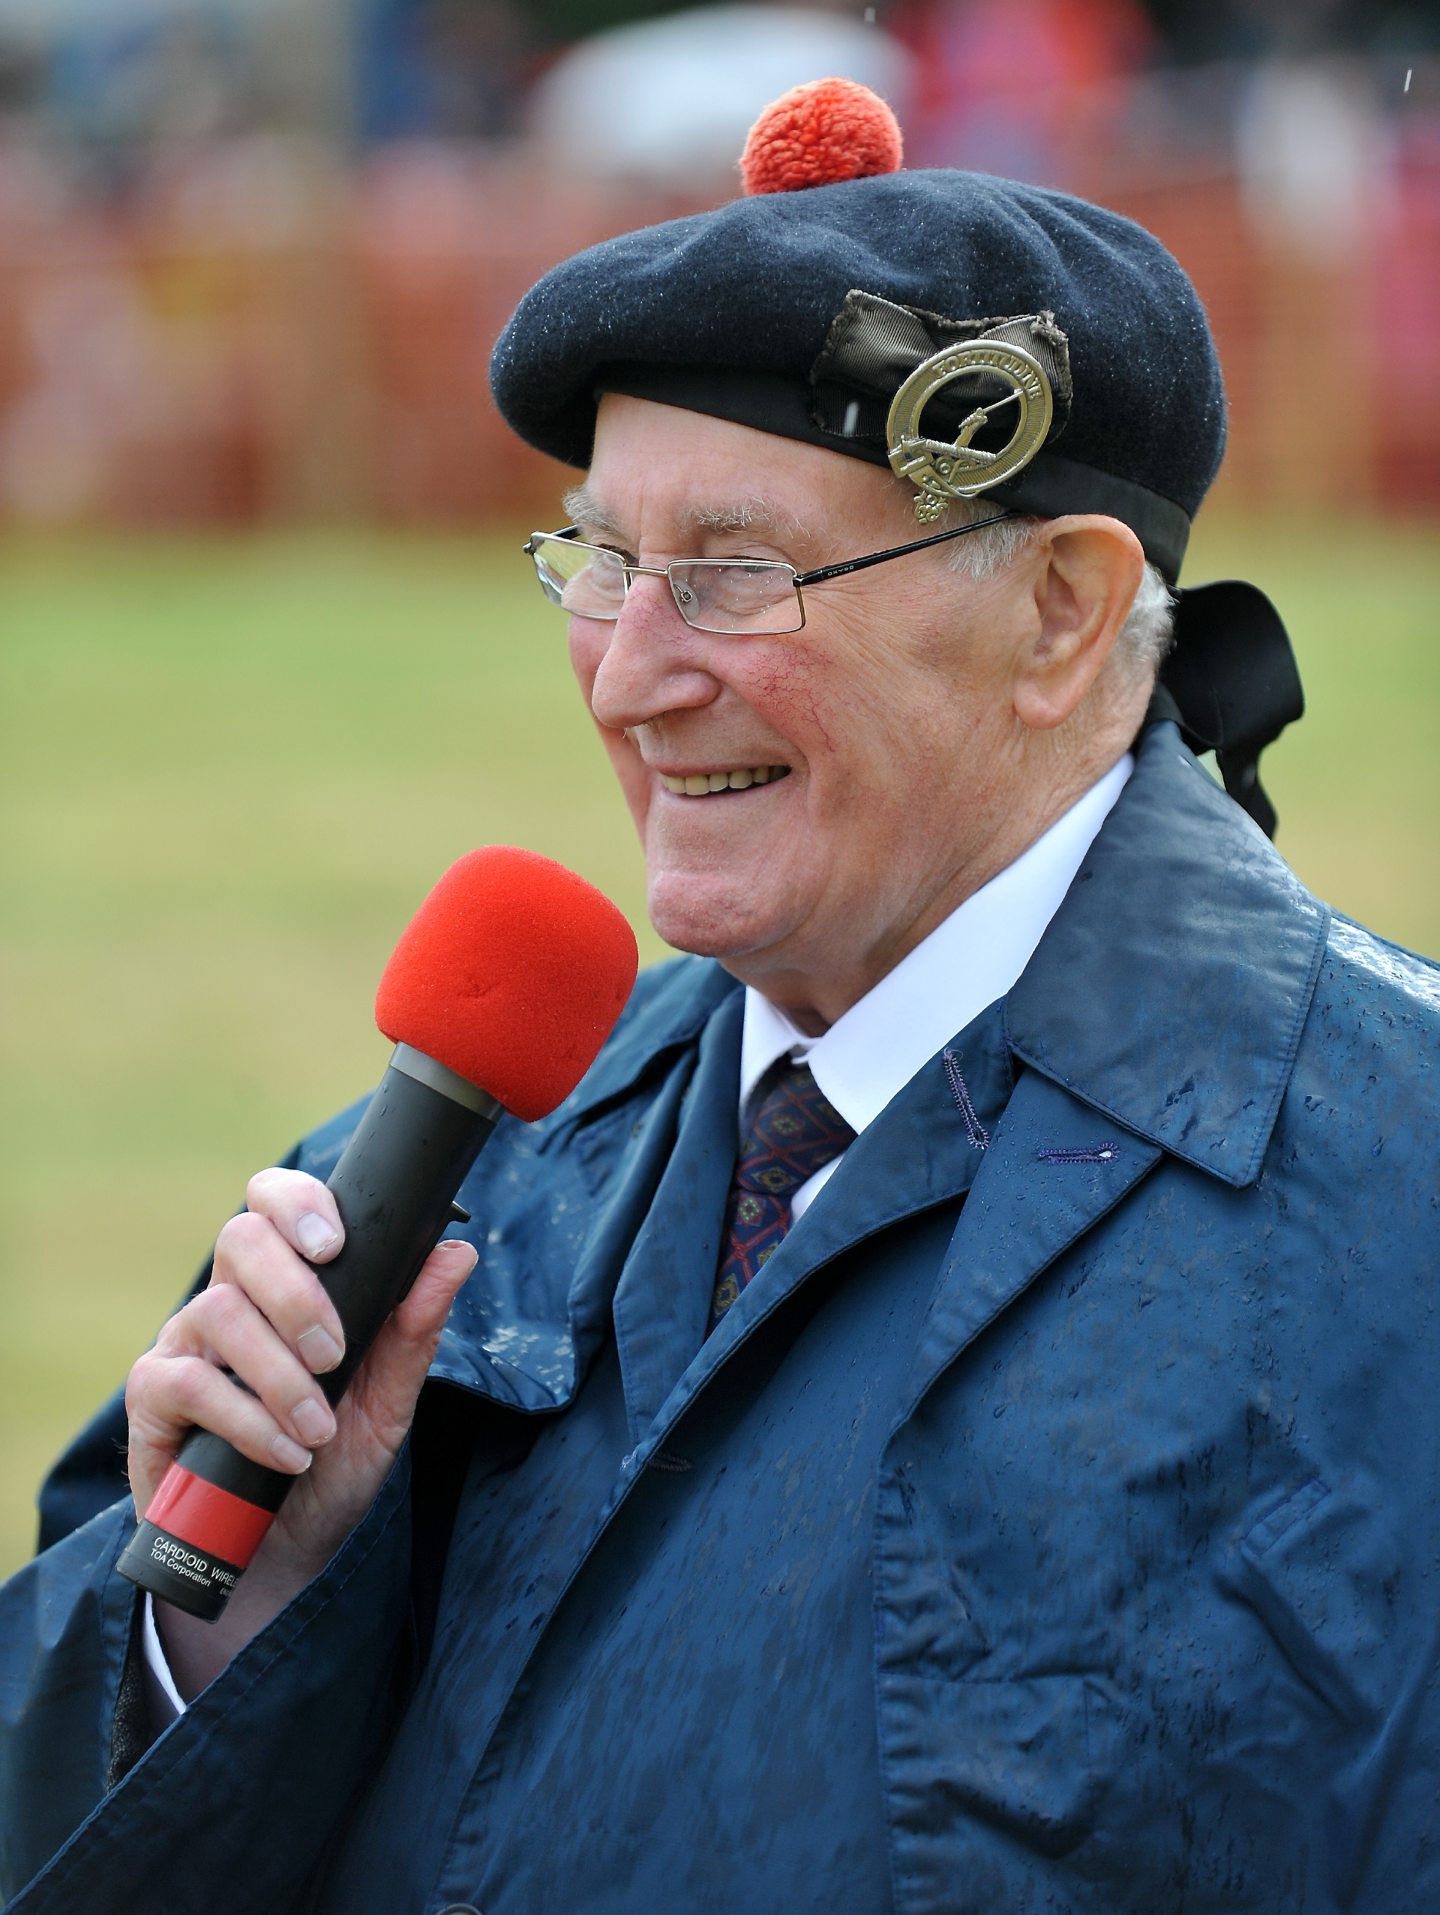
(394, 1186)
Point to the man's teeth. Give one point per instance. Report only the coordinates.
(700, 784)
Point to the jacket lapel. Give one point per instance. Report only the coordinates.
(558, 1205)
(662, 1301)
(918, 1153)
(1051, 1173)
(1160, 1014)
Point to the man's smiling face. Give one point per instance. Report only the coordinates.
(867, 760)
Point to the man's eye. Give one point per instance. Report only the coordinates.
(596, 586)
(742, 584)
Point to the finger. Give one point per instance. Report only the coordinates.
(223, 1326)
(167, 1397)
(388, 1383)
(420, 1315)
(251, 1254)
(301, 1208)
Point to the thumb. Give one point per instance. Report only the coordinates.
(421, 1312)
(388, 1383)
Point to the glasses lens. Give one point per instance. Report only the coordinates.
(585, 580)
(736, 595)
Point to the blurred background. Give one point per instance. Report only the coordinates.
(269, 655)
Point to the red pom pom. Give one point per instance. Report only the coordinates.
(816, 134)
(512, 972)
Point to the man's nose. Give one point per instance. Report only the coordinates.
(653, 662)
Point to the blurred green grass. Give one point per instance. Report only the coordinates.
(230, 768)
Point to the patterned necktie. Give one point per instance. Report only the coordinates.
(795, 1131)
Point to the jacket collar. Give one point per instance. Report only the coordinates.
(1171, 987)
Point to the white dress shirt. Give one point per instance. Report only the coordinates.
(968, 961)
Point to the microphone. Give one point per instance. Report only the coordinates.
(498, 997)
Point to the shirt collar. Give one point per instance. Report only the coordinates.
(966, 962)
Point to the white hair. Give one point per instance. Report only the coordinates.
(1143, 639)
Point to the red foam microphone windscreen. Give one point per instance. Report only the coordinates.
(512, 973)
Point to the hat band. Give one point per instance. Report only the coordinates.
(1052, 485)
(1049, 486)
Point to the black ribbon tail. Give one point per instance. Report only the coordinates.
(1231, 684)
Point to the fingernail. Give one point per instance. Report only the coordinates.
(313, 1420)
(289, 1454)
(319, 1349)
(317, 1237)
(452, 1246)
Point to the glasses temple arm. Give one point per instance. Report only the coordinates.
(897, 551)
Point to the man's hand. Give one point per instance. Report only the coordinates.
(266, 1318)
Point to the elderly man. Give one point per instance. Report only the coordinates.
(945, 1418)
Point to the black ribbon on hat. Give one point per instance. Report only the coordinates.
(1231, 683)
(873, 346)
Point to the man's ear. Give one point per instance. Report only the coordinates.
(1087, 574)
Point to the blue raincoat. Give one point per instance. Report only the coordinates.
(1051, 1527)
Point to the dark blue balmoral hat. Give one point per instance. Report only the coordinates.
(757, 312)
(981, 337)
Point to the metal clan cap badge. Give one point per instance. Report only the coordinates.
(945, 470)
(1002, 385)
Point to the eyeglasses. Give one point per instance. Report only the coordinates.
(734, 595)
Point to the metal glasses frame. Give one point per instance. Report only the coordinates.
(630, 569)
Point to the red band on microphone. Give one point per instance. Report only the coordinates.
(209, 1519)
